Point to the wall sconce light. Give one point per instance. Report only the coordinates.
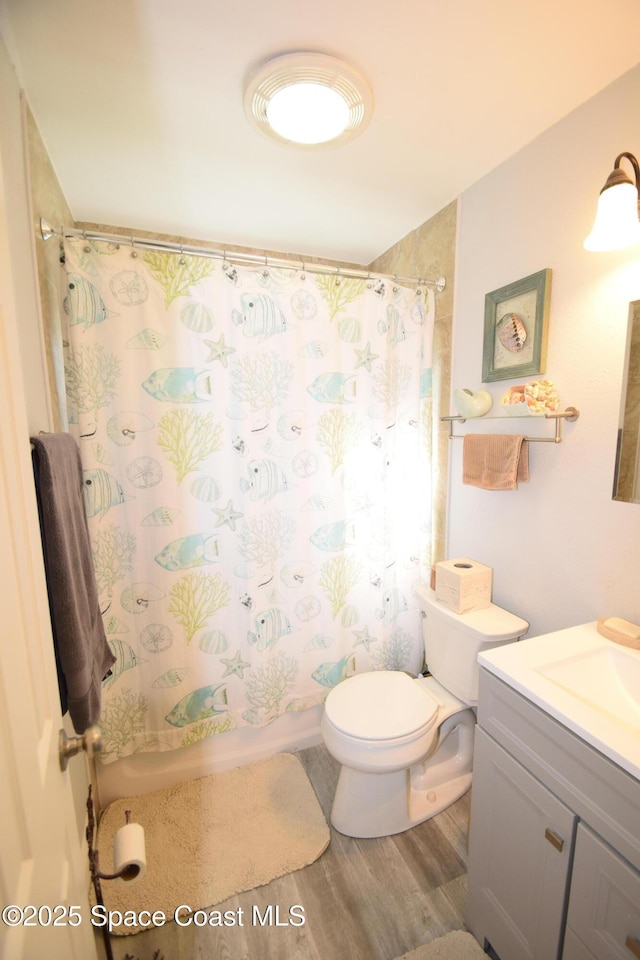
(617, 222)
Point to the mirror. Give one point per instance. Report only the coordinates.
(626, 480)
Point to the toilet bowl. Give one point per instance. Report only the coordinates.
(405, 744)
(386, 784)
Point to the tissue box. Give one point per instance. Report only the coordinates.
(463, 585)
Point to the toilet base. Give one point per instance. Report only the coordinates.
(369, 804)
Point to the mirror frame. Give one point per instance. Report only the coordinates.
(626, 478)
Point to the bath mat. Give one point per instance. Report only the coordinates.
(456, 945)
(211, 838)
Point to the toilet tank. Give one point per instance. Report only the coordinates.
(452, 641)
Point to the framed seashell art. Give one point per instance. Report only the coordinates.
(516, 319)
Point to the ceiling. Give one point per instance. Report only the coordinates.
(139, 103)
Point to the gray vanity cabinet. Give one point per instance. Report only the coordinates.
(554, 842)
(521, 842)
(604, 905)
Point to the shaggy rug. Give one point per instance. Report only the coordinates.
(209, 839)
(456, 945)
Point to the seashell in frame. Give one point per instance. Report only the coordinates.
(511, 332)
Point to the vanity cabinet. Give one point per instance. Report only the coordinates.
(554, 844)
(521, 845)
(604, 905)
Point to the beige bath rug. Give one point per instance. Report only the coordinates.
(209, 839)
(456, 945)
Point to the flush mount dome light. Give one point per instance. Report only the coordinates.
(308, 99)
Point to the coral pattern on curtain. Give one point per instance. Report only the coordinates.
(256, 450)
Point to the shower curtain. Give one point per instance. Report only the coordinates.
(256, 446)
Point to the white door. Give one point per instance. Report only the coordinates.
(42, 854)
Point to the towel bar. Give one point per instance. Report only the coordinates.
(571, 414)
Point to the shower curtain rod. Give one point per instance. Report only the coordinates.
(147, 243)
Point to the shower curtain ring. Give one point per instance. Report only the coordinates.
(182, 259)
(338, 277)
(134, 252)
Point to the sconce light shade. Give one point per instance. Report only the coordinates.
(617, 222)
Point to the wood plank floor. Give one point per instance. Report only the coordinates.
(362, 900)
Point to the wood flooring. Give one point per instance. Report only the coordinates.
(362, 899)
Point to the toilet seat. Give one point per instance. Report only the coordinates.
(381, 705)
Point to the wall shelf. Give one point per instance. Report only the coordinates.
(571, 414)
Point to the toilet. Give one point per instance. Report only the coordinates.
(405, 744)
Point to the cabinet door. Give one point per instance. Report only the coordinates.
(521, 839)
(574, 949)
(604, 907)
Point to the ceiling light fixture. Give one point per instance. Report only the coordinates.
(617, 222)
(308, 100)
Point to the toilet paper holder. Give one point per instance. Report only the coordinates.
(128, 871)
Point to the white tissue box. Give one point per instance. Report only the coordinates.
(463, 585)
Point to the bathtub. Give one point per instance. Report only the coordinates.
(145, 772)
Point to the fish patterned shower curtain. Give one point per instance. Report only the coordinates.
(256, 446)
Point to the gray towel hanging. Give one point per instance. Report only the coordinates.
(83, 656)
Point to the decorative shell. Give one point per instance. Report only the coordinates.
(291, 425)
(349, 329)
(197, 317)
(147, 339)
(470, 404)
(512, 332)
(541, 396)
(122, 427)
(144, 472)
(156, 637)
(171, 678)
(531, 399)
(137, 597)
(161, 517)
(205, 488)
(349, 616)
(304, 305)
(129, 288)
(513, 400)
(294, 574)
(308, 608)
(215, 641)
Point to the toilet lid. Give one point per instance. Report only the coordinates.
(380, 705)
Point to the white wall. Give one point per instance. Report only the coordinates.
(562, 551)
(13, 150)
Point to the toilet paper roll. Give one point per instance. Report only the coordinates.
(129, 855)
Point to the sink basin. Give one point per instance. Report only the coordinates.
(607, 678)
(586, 682)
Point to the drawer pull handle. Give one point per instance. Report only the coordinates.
(633, 944)
(554, 839)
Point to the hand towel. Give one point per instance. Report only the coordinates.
(495, 461)
(83, 655)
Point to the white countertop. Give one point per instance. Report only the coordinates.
(519, 664)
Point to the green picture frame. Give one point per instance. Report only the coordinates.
(516, 321)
